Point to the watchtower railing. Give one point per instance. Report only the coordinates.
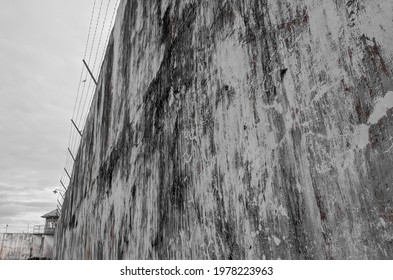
(39, 229)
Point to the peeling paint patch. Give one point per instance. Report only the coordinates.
(361, 136)
(380, 107)
(276, 240)
(232, 62)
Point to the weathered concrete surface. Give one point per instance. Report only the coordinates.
(42, 246)
(37, 245)
(15, 246)
(47, 247)
(238, 130)
(22, 246)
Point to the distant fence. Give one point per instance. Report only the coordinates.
(15, 229)
(36, 229)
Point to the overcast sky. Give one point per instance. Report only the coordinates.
(42, 43)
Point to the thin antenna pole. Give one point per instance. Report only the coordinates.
(71, 154)
(77, 129)
(67, 173)
(88, 69)
(63, 185)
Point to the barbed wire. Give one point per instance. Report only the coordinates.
(77, 119)
(72, 131)
(84, 56)
(95, 31)
(99, 40)
(90, 94)
(104, 50)
(85, 92)
(87, 95)
(108, 34)
(7, 228)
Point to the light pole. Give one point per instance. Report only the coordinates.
(59, 191)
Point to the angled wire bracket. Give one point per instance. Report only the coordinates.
(77, 129)
(62, 195)
(67, 173)
(61, 182)
(71, 154)
(88, 69)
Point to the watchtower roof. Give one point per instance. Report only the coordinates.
(51, 214)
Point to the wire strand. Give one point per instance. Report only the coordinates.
(88, 34)
(95, 31)
(90, 55)
(71, 134)
(99, 40)
(108, 33)
(85, 93)
(90, 95)
(84, 55)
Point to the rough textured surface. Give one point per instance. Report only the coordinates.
(15, 246)
(238, 130)
(22, 246)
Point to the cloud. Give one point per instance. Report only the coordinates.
(21, 213)
(20, 206)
